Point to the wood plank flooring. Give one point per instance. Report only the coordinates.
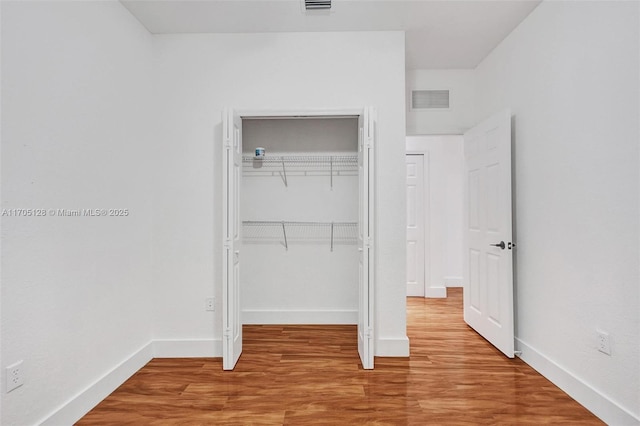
(298, 375)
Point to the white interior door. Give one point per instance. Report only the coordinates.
(488, 260)
(231, 175)
(365, 238)
(416, 259)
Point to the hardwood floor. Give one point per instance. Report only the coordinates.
(298, 375)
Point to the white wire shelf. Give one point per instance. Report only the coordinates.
(297, 164)
(286, 232)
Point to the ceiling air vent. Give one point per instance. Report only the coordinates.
(317, 4)
(429, 99)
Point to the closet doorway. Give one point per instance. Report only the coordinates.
(298, 222)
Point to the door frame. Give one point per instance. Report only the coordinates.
(433, 237)
(426, 215)
(321, 113)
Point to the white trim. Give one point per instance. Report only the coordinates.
(416, 144)
(259, 316)
(79, 405)
(426, 206)
(389, 347)
(302, 113)
(453, 282)
(592, 399)
(435, 292)
(196, 348)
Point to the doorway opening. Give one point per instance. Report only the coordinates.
(482, 196)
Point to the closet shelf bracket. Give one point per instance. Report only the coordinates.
(284, 234)
(331, 174)
(284, 174)
(331, 236)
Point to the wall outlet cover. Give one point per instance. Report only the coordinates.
(604, 343)
(15, 376)
(210, 304)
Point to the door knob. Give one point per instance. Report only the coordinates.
(501, 245)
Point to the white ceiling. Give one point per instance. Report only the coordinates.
(439, 34)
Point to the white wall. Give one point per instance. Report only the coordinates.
(569, 73)
(314, 135)
(200, 74)
(457, 118)
(75, 135)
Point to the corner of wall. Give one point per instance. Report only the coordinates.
(79, 405)
(392, 347)
(83, 402)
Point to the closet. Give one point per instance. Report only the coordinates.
(298, 234)
(299, 211)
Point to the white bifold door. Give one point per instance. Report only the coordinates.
(488, 258)
(232, 228)
(365, 237)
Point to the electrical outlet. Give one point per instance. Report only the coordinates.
(210, 304)
(15, 376)
(604, 345)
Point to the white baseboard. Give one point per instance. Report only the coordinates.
(392, 347)
(73, 410)
(453, 282)
(414, 290)
(299, 317)
(596, 402)
(204, 348)
(436, 292)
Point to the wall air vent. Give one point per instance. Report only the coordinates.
(317, 4)
(429, 99)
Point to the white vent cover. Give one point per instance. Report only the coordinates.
(317, 4)
(429, 99)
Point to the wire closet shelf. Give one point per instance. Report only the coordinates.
(299, 164)
(286, 232)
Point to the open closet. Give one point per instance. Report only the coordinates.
(298, 223)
